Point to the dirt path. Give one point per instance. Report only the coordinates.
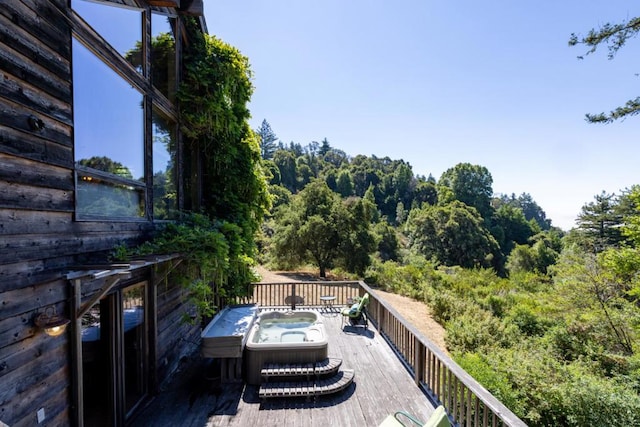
(415, 312)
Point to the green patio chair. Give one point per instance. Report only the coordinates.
(357, 313)
(439, 418)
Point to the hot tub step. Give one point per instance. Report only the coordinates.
(325, 367)
(328, 366)
(334, 384)
(338, 382)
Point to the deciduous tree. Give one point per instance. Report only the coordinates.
(453, 234)
(318, 227)
(470, 184)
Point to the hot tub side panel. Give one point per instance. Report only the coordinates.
(255, 357)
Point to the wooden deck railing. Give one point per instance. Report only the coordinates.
(466, 401)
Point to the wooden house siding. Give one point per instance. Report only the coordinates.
(40, 238)
(36, 207)
(175, 337)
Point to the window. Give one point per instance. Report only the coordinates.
(164, 170)
(163, 55)
(109, 139)
(120, 26)
(121, 151)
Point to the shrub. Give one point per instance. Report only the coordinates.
(569, 342)
(529, 282)
(591, 401)
(444, 305)
(493, 379)
(528, 322)
(475, 329)
(497, 304)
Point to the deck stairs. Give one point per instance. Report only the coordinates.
(304, 379)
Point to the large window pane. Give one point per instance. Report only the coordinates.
(163, 54)
(109, 136)
(164, 171)
(118, 25)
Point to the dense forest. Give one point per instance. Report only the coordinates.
(546, 320)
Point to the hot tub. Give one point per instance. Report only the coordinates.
(284, 337)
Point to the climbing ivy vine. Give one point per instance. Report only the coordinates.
(218, 242)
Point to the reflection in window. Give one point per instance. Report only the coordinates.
(101, 197)
(109, 137)
(164, 171)
(163, 55)
(120, 26)
(135, 360)
(96, 368)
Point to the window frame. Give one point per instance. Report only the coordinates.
(152, 98)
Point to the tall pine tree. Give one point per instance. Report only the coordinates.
(268, 140)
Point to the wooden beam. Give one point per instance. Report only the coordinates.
(159, 277)
(192, 7)
(164, 3)
(77, 392)
(110, 282)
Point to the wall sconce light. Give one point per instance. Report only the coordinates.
(52, 324)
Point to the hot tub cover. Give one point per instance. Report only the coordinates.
(227, 332)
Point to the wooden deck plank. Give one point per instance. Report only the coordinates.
(382, 386)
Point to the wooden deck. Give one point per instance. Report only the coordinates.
(382, 386)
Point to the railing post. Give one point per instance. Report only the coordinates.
(293, 296)
(419, 361)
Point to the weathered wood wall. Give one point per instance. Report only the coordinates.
(39, 238)
(36, 206)
(175, 337)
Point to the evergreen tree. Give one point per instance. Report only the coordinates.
(344, 184)
(336, 157)
(369, 195)
(268, 139)
(600, 222)
(401, 213)
(355, 253)
(286, 163)
(614, 36)
(325, 147)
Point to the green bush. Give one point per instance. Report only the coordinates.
(475, 330)
(493, 379)
(592, 401)
(497, 304)
(529, 282)
(409, 280)
(527, 321)
(445, 305)
(546, 392)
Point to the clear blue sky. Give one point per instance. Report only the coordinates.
(437, 83)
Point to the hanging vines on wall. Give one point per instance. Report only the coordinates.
(218, 242)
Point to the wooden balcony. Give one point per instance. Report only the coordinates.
(396, 368)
